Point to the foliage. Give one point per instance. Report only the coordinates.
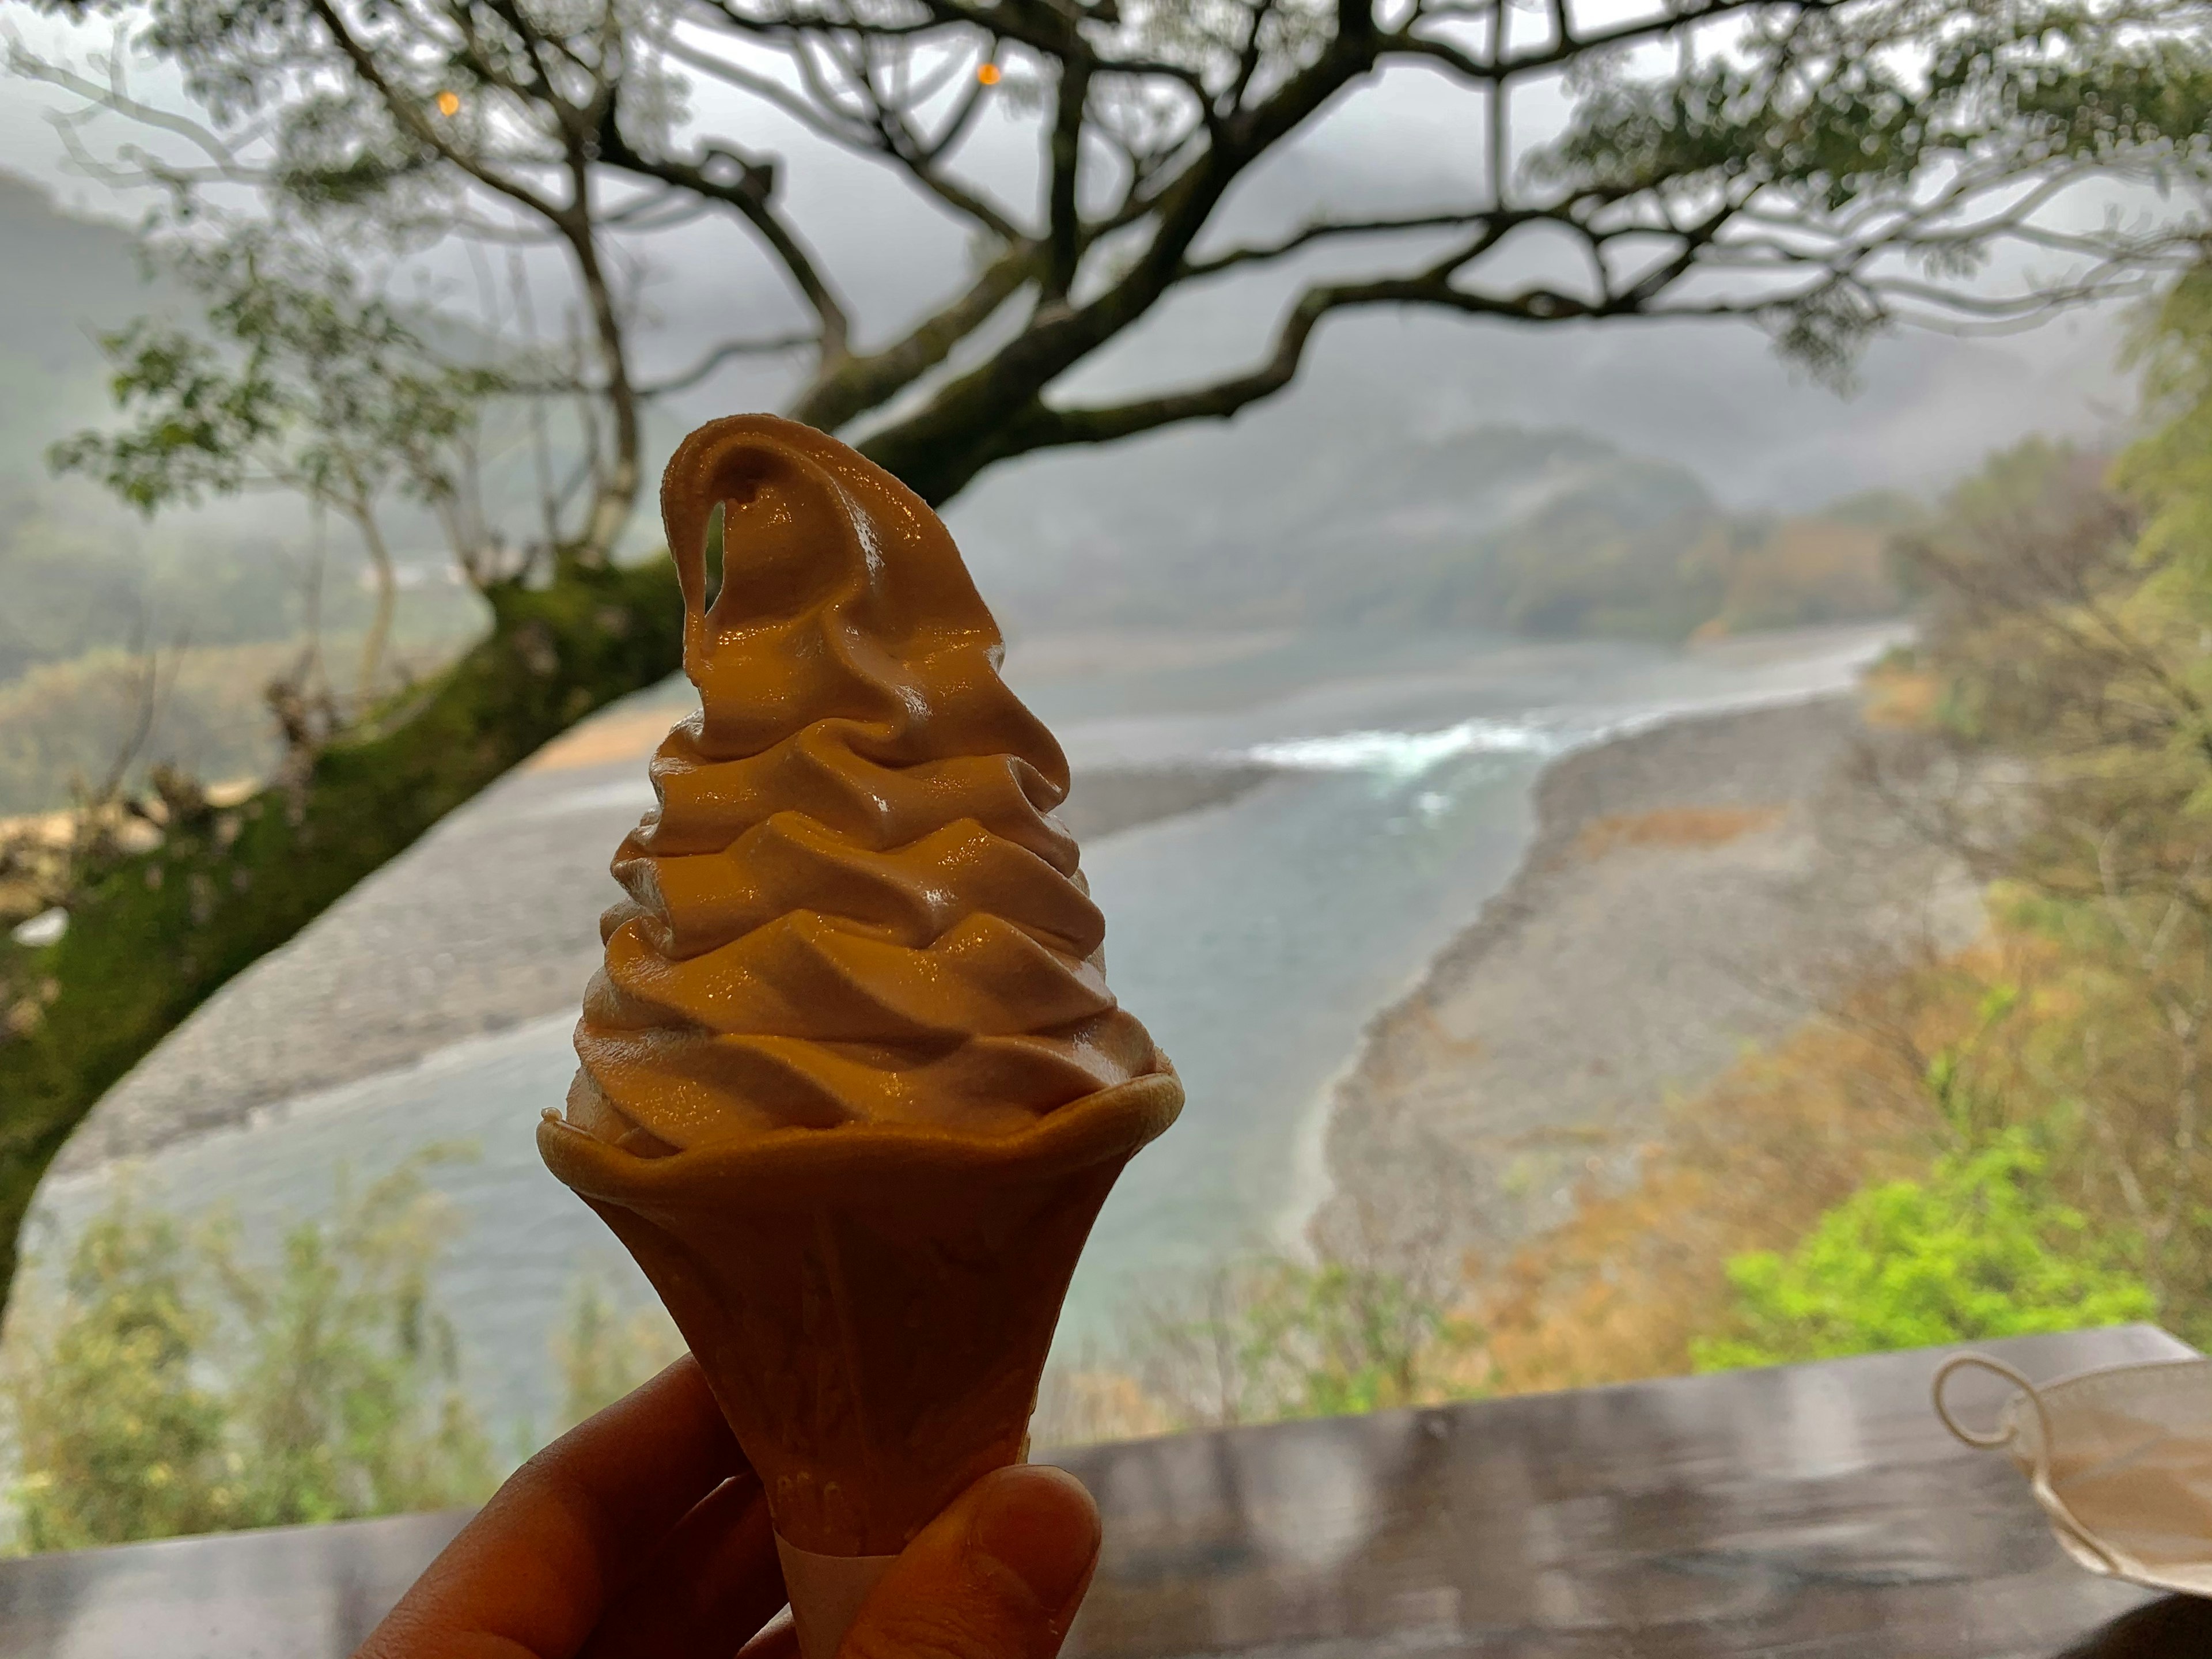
(603, 1355)
(1623, 1289)
(64, 723)
(179, 1386)
(1807, 571)
(1926, 1064)
(1982, 1249)
(2170, 469)
(80, 575)
(1270, 1338)
(1834, 169)
(1637, 548)
(2068, 636)
(350, 1399)
(311, 383)
(2049, 730)
(1328, 1338)
(115, 1435)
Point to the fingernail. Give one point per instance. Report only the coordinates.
(1041, 1526)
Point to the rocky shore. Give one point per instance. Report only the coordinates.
(491, 920)
(1692, 891)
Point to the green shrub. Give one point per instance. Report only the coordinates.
(1981, 1249)
(115, 1437)
(1272, 1338)
(603, 1354)
(176, 1386)
(349, 1402)
(1331, 1339)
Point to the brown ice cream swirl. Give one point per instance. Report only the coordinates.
(852, 903)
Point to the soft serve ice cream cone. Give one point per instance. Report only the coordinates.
(853, 1087)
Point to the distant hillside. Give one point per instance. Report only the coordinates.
(223, 594)
(1314, 515)
(1538, 533)
(80, 572)
(63, 280)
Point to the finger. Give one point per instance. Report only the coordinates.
(780, 1640)
(571, 1529)
(715, 1582)
(998, 1576)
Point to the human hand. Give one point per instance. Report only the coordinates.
(643, 1533)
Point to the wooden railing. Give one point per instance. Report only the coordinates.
(1818, 1511)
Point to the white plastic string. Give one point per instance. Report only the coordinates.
(2002, 1439)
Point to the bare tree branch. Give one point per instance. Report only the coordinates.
(723, 174)
(727, 352)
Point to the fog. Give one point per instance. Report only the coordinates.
(1711, 396)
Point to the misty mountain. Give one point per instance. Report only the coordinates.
(1323, 509)
(1350, 522)
(80, 572)
(64, 280)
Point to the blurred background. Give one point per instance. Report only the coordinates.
(1626, 590)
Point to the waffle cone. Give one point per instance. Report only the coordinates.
(871, 1304)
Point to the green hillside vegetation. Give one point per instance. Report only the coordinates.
(1824, 569)
(91, 617)
(215, 603)
(1981, 1248)
(1544, 533)
(1621, 558)
(1536, 532)
(66, 725)
(64, 278)
(162, 1380)
(2007, 1138)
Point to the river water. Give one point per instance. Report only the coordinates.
(1254, 939)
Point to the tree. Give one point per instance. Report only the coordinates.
(115, 1437)
(1825, 168)
(178, 1385)
(2067, 605)
(603, 1354)
(326, 391)
(1983, 1248)
(349, 1399)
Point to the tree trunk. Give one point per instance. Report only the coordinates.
(387, 601)
(156, 933)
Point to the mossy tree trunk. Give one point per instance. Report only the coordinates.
(154, 933)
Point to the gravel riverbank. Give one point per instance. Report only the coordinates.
(491, 920)
(1692, 891)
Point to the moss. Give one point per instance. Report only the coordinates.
(158, 932)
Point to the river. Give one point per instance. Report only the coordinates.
(1254, 939)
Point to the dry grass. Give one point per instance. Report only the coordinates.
(1621, 1291)
(1673, 826)
(1901, 698)
(1810, 570)
(1092, 1406)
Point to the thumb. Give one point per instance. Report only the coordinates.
(998, 1576)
